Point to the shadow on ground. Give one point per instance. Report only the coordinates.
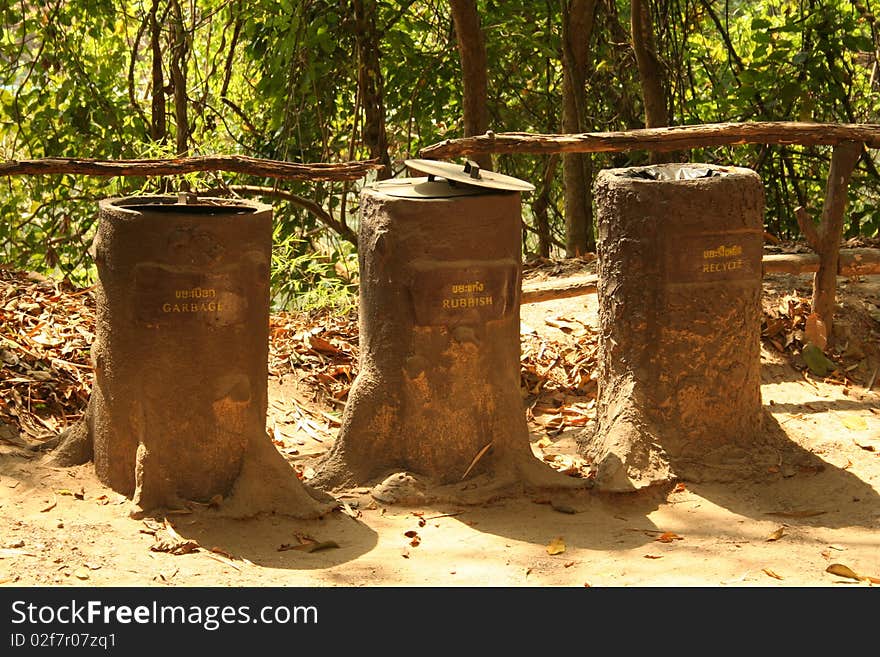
(275, 541)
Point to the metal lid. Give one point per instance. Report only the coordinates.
(469, 174)
(675, 171)
(423, 188)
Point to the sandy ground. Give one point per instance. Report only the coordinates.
(61, 527)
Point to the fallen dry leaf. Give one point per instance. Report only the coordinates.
(414, 536)
(174, 546)
(348, 510)
(556, 546)
(843, 571)
(679, 488)
(653, 556)
(323, 346)
(668, 537)
(562, 324)
(854, 422)
(313, 546)
(479, 455)
(770, 573)
(13, 552)
(222, 557)
(544, 443)
(777, 534)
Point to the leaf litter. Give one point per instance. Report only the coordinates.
(47, 329)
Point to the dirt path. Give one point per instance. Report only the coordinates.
(61, 527)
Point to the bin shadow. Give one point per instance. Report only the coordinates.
(587, 519)
(275, 541)
(809, 491)
(806, 490)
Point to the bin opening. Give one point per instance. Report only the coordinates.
(202, 206)
(674, 172)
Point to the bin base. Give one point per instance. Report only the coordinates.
(506, 479)
(628, 457)
(266, 483)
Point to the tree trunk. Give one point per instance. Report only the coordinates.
(541, 206)
(178, 408)
(371, 84)
(474, 72)
(578, 19)
(680, 326)
(179, 49)
(827, 242)
(158, 129)
(650, 70)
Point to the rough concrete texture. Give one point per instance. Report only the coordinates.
(680, 319)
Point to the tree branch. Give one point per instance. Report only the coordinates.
(320, 213)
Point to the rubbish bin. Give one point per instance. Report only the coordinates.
(437, 393)
(679, 254)
(178, 408)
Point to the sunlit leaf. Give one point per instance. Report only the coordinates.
(556, 546)
(854, 422)
(817, 361)
(777, 534)
(770, 573)
(843, 571)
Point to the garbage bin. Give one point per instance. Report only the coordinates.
(178, 407)
(679, 254)
(437, 393)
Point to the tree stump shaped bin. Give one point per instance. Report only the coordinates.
(436, 401)
(178, 408)
(679, 249)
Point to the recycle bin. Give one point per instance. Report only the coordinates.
(679, 254)
(438, 387)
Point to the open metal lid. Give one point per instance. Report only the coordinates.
(424, 188)
(469, 174)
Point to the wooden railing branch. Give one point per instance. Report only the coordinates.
(167, 167)
(852, 262)
(671, 138)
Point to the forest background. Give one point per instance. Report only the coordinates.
(343, 80)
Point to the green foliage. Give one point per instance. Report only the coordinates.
(279, 79)
(307, 281)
